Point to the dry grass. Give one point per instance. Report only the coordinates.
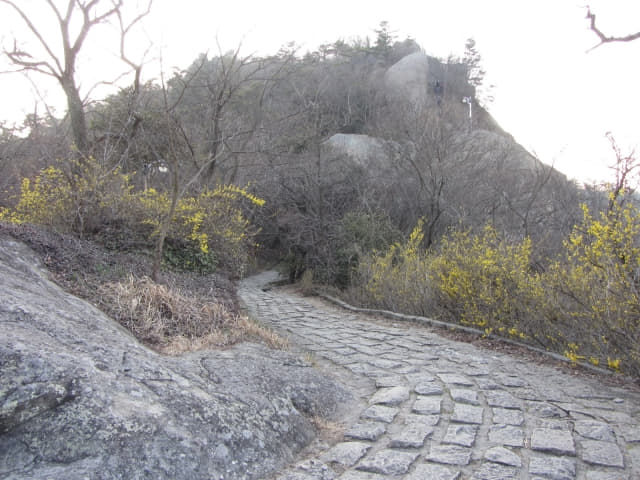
(173, 323)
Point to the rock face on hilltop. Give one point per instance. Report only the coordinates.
(81, 398)
(409, 78)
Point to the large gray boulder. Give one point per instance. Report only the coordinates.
(363, 150)
(408, 79)
(80, 398)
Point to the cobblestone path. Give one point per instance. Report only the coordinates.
(435, 408)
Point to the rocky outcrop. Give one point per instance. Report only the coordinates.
(418, 79)
(409, 78)
(81, 398)
(488, 149)
(364, 150)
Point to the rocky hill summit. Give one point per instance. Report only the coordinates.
(80, 397)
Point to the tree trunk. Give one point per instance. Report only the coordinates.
(76, 116)
(165, 223)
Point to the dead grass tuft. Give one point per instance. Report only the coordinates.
(260, 332)
(174, 323)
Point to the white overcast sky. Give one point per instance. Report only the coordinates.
(555, 98)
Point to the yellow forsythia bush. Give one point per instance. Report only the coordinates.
(214, 222)
(396, 279)
(213, 225)
(594, 298)
(586, 305)
(484, 281)
(73, 200)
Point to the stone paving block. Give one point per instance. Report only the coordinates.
(464, 395)
(511, 381)
(431, 471)
(508, 435)
(420, 377)
(464, 435)
(449, 454)
(545, 410)
(425, 358)
(528, 394)
(346, 453)
(500, 398)
(428, 388)
(634, 457)
(487, 384)
(473, 371)
(335, 346)
(417, 418)
(455, 379)
(395, 356)
(380, 413)
(304, 476)
(412, 436)
(369, 351)
(503, 456)
(408, 369)
(552, 423)
(390, 381)
(386, 364)
(370, 431)
(559, 442)
(388, 462)
(576, 409)
(390, 396)
(595, 430)
(345, 351)
(467, 414)
(596, 452)
(357, 475)
(593, 475)
(553, 468)
(621, 418)
(365, 369)
(508, 416)
(493, 471)
(310, 470)
(631, 433)
(343, 359)
(427, 405)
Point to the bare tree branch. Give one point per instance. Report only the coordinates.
(604, 38)
(124, 30)
(16, 55)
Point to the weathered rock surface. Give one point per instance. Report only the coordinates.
(365, 151)
(409, 78)
(81, 398)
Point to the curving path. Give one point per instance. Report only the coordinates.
(434, 408)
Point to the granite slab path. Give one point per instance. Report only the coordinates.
(436, 408)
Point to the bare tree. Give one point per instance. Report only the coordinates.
(604, 38)
(626, 168)
(75, 22)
